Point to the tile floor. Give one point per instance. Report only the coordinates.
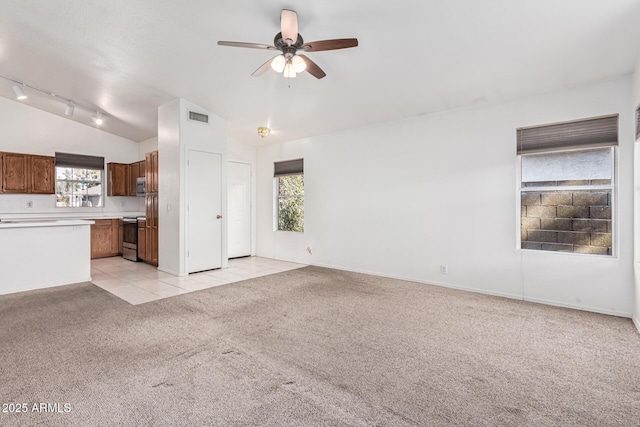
(137, 283)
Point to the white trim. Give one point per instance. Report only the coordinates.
(580, 307)
(636, 322)
(173, 273)
(483, 291)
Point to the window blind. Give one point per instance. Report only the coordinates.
(68, 160)
(588, 133)
(289, 167)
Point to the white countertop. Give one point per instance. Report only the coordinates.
(22, 223)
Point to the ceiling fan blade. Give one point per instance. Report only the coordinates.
(264, 67)
(289, 25)
(247, 45)
(329, 45)
(312, 68)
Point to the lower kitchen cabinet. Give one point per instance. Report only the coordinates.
(105, 238)
(142, 240)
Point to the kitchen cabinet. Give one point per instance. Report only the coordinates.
(120, 235)
(27, 174)
(151, 233)
(151, 171)
(104, 238)
(15, 171)
(134, 172)
(42, 175)
(141, 172)
(151, 208)
(117, 179)
(142, 240)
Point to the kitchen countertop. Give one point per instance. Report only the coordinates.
(21, 223)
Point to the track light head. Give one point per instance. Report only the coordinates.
(20, 92)
(70, 109)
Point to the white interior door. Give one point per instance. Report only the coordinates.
(239, 210)
(204, 211)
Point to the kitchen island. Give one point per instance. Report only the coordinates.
(38, 254)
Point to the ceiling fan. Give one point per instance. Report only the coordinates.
(289, 42)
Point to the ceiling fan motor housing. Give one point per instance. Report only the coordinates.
(287, 51)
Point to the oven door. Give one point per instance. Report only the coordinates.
(130, 240)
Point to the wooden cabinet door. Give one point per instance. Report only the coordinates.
(134, 170)
(142, 241)
(141, 171)
(42, 177)
(15, 172)
(120, 236)
(101, 245)
(118, 179)
(151, 171)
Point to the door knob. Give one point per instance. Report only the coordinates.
(218, 216)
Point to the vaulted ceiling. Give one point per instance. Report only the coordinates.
(127, 57)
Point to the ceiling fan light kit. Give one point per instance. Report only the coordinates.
(289, 42)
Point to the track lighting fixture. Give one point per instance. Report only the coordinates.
(69, 110)
(71, 105)
(20, 92)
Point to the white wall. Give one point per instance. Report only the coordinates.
(635, 101)
(176, 135)
(400, 199)
(25, 129)
(147, 146)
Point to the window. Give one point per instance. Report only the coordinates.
(567, 186)
(289, 195)
(79, 180)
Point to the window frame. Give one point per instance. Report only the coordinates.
(73, 181)
(276, 201)
(612, 187)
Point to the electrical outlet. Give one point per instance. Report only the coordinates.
(30, 203)
(444, 269)
(309, 250)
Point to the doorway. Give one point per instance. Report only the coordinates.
(239, 210)
(204, 211)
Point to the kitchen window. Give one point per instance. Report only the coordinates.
(289, 195)
(79, 180)
(567, 186)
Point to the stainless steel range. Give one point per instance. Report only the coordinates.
(130, 238)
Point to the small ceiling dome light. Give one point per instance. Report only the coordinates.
(278, 63)
(19, 92)
(70, 109)
(298, 64)
(98, 118)
(263, 131)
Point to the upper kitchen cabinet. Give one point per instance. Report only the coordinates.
(15, 172)
(134, 172)
(27, 174)
(117, 179)
(43, 170)
(151, 171)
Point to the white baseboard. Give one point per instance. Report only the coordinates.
(487, 292)
(175, 273)
(579, 307)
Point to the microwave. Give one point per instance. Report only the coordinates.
(141, 184)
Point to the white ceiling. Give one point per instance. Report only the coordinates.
(127, 57)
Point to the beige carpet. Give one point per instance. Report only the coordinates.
(314, 346)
